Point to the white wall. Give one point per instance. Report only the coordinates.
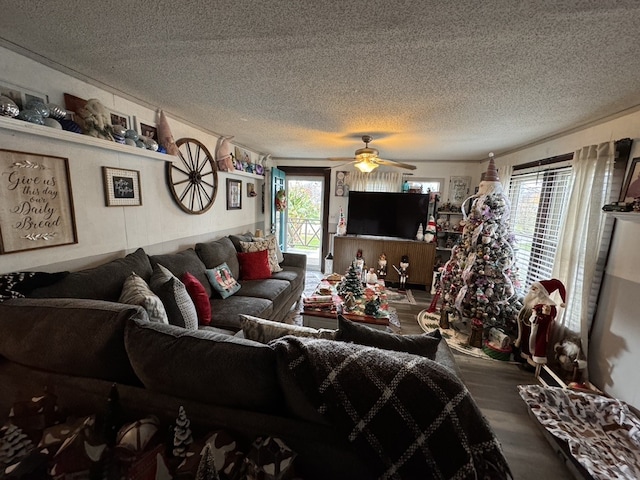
(108, 232)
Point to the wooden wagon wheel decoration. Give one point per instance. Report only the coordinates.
(193, 180)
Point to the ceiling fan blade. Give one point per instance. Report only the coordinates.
(342, 159)
(393, 163)
(343, 164)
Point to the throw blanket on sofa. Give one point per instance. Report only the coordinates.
(408, 416)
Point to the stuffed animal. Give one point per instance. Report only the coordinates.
(96, 120)
(224, 155)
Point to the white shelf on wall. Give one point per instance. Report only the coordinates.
(16, 125)
(240, 173)
(627, 216)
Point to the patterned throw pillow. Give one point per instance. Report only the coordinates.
(254, 265)
(199, 296)
(263, 331)
(268, 244)
(135, 291)
(222, 280)
(180, 309)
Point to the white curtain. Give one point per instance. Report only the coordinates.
(504, 173)
(581, 238)
(374, 181)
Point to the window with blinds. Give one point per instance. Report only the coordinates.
(537, 208)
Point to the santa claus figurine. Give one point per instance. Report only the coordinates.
(536, 318)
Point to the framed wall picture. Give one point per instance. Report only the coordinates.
(631, 189)
(121, 187)
(251, 190)
(342, 188)
(20, 95)
(234, 194)
(459, 189)
(127, 121)
(149, 131)
(36, 203)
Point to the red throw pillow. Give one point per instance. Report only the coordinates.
(254, 265)
(199, 296)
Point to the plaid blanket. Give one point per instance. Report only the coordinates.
(408, 416)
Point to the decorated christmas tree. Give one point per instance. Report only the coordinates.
(479, 281)
(351, 283)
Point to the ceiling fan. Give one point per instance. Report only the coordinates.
(367, 160)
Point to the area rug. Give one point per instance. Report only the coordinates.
(456, 340)
(396, 296)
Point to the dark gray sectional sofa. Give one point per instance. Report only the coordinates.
(269, 298)
(73, 338)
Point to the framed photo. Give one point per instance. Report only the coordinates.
(149, 131)
(631, 189)
(243, 157)
(459, 189)
(20, 95)
(36, 203)
(127, 121)
(234, 194)
(121, 187)
(342, 188)
(251, 190)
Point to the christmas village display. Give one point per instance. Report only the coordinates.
(39, 442)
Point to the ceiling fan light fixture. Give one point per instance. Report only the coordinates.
(365, 165)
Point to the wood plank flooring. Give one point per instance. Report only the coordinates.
(493, 385)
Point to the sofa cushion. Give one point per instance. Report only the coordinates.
(226, 313)
(269, 288)
(181, 310)
(222, 280)
(425, 345)
(294, 275)
(264, 244)
(263, 331)
(254, 265)
(236, 239)
(204, 366)
(100, 283)
(69, 336)
(181, 262)
(217, 252)
(135, 291)
(199, 296)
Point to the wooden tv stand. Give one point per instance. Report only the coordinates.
(421, 256)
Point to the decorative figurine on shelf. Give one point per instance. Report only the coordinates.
(403, 271)
(535, 320)
(382, 266)
(358, 263)
(342, 225)
(430, 232)
(371, 278)
(420, 234)
(349, 301)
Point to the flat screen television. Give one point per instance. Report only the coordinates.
(387, 214)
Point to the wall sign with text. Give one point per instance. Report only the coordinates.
(36, 205)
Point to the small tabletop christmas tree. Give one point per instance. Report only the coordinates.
(182, 436)
(479, 280)
(351, 283)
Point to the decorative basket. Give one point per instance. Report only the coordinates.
(492, 351)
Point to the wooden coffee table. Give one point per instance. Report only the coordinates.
(323, 318)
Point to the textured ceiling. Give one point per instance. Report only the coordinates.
(430, 80)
